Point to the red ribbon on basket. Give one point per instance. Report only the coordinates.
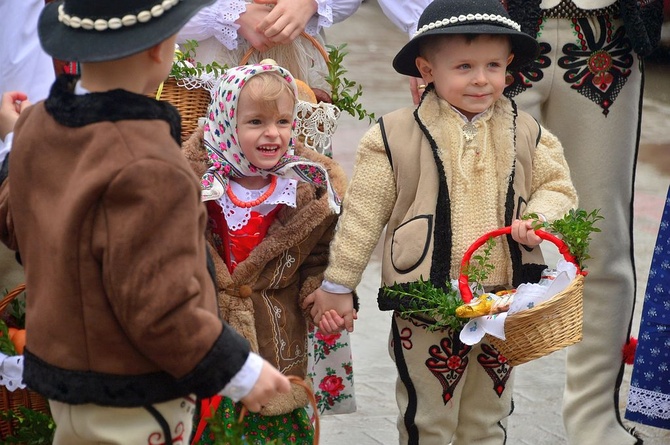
(463, 284)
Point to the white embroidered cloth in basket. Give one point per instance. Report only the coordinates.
(316, 125)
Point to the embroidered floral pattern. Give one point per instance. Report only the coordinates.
(496, 366)
(520, 81)
(599, 63)
(447, 363)
(330, 368)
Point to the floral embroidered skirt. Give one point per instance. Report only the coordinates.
(649, 395)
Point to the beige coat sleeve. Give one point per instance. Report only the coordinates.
(366, 208)
(553, 193)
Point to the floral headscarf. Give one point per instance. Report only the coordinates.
(225, 155)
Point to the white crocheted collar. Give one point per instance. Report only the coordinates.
(238, 217)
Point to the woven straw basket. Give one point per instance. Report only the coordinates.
(12, 400)
(191, 103)
(546, 328)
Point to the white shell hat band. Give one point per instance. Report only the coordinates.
(115, 22)
(469, 18)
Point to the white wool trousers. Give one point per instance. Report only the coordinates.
(587, 90)
(448, 392)
(94, 424)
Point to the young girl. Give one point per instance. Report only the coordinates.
(271, 219)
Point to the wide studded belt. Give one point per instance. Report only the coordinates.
(567, 10)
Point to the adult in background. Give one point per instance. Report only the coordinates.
(586, 86)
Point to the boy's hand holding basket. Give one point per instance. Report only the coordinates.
(530, 333)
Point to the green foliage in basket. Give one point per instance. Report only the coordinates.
(6, 345)
(575, 229)
(345, 93)
(424, 298)
(479, 267)
(184, 65)
(34, 427)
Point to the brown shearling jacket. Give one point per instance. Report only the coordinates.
(107, 217)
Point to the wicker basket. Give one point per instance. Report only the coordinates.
(546, 328)
(192, 103)
(11, 400)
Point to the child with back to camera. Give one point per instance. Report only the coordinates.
(464, 162)
(272, 213)
(123, 331)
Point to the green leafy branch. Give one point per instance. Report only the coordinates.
(575, 229)
(6, 345)
(345, 93)
(479, 266)
(32, 427)
(184, 65)
(423, 297)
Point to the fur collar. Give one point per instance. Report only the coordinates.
(72, 110)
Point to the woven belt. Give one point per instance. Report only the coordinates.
(568, 10)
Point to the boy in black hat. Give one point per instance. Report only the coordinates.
(464, 162)
(122, 322)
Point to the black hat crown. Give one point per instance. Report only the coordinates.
(466, 17)
(100, 30)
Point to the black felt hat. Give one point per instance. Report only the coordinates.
(101, 30)
(466, 17)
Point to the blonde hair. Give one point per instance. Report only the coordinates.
(265, 88)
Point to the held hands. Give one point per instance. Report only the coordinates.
(331, 312)
(13, 103)
(270, 382)
(523, 232)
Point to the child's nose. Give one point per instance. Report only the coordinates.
(272, 130)
(480, 76)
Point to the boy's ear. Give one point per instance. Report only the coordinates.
(156, 52)
(425, 68)
(510, 58)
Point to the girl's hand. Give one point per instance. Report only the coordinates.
(331, 312)
(248, 21)
(523, 232)
(286, 20)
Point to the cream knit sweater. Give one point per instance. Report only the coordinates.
(473, 183)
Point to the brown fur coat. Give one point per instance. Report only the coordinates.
(261, 298)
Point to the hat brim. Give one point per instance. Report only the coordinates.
(524, 47)
(78, 45)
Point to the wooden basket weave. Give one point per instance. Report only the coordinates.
(546, 328)
(191, 103)
(12, 400)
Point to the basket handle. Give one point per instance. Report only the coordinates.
(11, 295)
(463, 283)
(312, 400)
(313, 41)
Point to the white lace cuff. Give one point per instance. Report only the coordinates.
(217, 21)
(322, 19)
